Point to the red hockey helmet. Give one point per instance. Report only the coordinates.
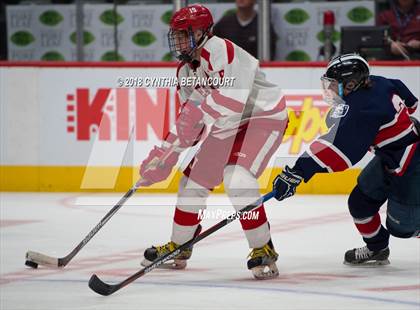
(192, 17)
(183, 24)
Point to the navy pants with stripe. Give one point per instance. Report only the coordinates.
(374, 187)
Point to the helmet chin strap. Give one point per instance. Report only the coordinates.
(341, 88)
(204, 38)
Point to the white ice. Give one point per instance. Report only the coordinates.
(310, 233)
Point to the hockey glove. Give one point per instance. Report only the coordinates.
(285, 183)
(153, 170)
(189, 125)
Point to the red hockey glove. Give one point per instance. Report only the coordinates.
(189, 124)
(153, 170)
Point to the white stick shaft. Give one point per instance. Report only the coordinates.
(41, 259)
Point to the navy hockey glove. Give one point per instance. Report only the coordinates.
(285, 183)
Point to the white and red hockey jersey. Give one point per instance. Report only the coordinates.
(250, 98)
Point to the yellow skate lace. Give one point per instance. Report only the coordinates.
(261, 252)
(166, 248)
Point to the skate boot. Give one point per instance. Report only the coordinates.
(179, 261)
(262, 262)
(365, 257)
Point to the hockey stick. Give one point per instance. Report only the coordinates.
(105, 289)
(33, 259)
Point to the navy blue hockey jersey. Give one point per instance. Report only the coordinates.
(371, 119)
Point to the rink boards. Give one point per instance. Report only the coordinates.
(71, 127)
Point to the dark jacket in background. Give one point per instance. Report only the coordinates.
(246, 37)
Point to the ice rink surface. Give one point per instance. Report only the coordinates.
(310, 233)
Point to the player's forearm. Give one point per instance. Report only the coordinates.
(307, 167)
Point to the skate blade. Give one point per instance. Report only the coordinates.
(172, 264)
(265, 272)
(369, 263)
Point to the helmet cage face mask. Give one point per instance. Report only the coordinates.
(182, 43)
(332, 90)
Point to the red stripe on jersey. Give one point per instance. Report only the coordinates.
(269, 124)
(209, 110)
(186, 218)
(403, 123)
(371, 226)
(230, 51)
(171, 138)
(259, 219)
(180, 65)
(411, 110)
(206, 55)
(278, 108)
(328, 156)
(408, 159)
(227, 102)
(211, 86)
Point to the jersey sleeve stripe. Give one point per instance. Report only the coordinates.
(280, 107)
(227, 102)
(393, 128)
(230, 51)
(318, 161)
(337, 150)
(394, 121)
(393, 134)
(413, 108)
(206, 55)
(330, 156)
(406, 159)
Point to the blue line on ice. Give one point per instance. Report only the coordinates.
(264, 289)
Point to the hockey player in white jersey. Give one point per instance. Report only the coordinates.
(240, 126)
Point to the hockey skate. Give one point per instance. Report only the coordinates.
(179, 262)
(262, 262)
(365, 257)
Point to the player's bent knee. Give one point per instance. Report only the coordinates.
(238, 181)
(191, 196)
(361, 206)
(189, 188)
(241, 186)
(395, 231)
(402, 220)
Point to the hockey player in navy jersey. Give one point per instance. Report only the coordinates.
(368, 113)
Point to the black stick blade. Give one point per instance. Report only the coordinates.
(100, 287)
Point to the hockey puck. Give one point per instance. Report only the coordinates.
(31, 264)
